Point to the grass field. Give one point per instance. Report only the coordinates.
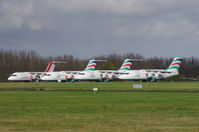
(58, 111)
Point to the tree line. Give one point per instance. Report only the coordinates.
(21, 61)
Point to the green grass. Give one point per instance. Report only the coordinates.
(58, 111)
(152, 86)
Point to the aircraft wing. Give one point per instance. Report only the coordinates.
(113, 71)
(157, 70)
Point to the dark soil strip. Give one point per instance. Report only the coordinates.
(17, 89)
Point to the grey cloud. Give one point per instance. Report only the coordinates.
(13, 14)
(93, 27)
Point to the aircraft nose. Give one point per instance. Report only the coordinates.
(9, 78)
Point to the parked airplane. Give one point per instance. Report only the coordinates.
(153, 74)
(90, 74)
(114, 74)
(70, 75)
(62, 76)
(32, 76)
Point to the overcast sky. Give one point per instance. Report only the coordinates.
(87, 28)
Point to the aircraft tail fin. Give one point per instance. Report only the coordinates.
(175, 64)
(127, 64)
(51, 66)
(92, 64)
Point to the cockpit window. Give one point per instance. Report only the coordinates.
(124, 73)
(81, 73)
(14, 75)
(47, 74)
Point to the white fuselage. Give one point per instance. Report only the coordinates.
(89, 76)
(54, 76)
(161, 73)
(133, 75)
(113, 74)
(21, 76)
(147, 74)
(58, 76)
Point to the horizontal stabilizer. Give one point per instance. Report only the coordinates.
(98, 60)
(59, 62)
(131, 60)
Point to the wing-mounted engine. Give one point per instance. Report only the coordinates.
(109, 77)
(154, 76)
(34, 77)
(149, 75)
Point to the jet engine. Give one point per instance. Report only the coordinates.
(156, 76)
(109, 77)
(149, 74)
(153, 76)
